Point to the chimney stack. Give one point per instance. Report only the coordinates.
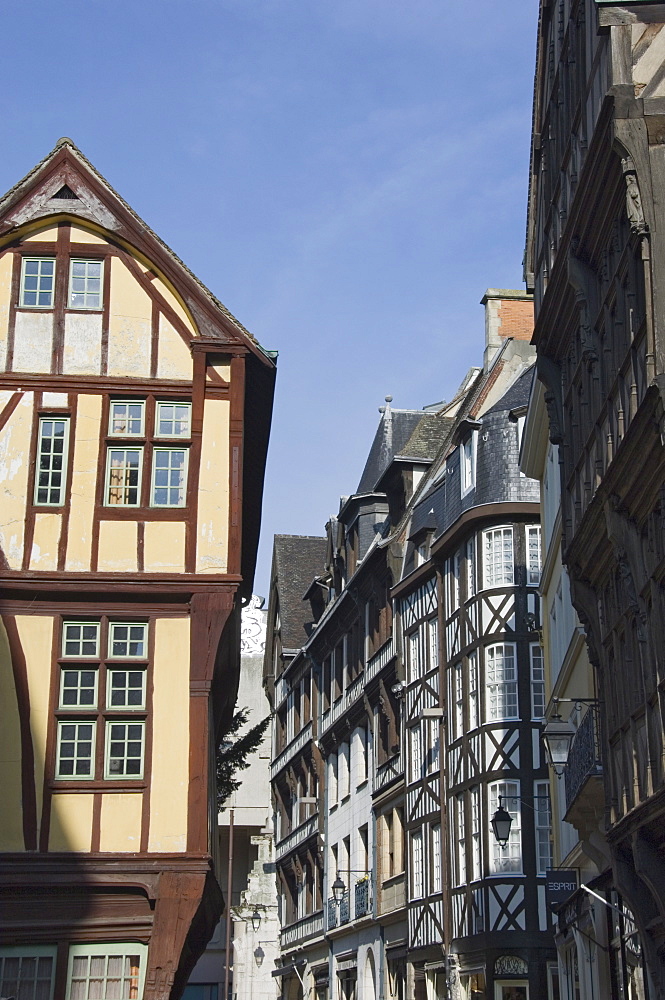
(508, 313)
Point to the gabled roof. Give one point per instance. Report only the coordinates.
(297, 560)
(65, 183)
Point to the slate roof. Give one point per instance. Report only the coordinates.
(297, 559)
(401, 433)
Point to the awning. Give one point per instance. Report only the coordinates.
(286, 970)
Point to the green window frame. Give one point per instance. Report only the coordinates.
(106, 969)
(75, 756)
(174, 420)
(127, 418)
(78, 687)
(124, 747)
(128, 640)
(85, 284)
(169, 477)
(123, 477)
(27, 971)
(125, 689)
(80, 639)
(37, 283)
(52, 453)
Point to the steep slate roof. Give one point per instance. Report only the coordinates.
(297, 559)
(397, 433)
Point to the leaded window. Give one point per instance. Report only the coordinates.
(498, 557)
(508, 858)
(537, 681)
(501, 682)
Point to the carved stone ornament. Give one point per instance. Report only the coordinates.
(253, 627)
(510, 965)
(634, 208)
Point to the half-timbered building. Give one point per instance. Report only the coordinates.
(134, 419)
(467, 605)
(594, 259)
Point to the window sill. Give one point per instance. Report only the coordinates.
(345, 799)
(362, 784)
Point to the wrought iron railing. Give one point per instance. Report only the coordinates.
(332, 913)
(381, 658)
(345, 909)
(363, 897)
(584, 757)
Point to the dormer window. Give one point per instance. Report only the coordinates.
(468, 462)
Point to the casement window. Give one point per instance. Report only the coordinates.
(501, 682)
(432, 730)
(470, 552)
(344, 785)
(106, 970)
(433, 635)
(468, 463)
(417, 880)
(537, 681)
(416, 742)
(27, 971)
(508, 858)
(51, 471)
(543, 825)
(436, 857)
(533, 558)
(101, 715)
(452, 571)
(476, 843)
(37, 282)
(458, 682)
(460, 846)
(474, 714)
(498, 563)
(147, 472)
(415, 664)
(333, 787)
(85, 284)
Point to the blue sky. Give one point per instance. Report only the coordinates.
(347, 177)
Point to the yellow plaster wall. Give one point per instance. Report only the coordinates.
(82, 505)
(174, 359)
(36, 635)
(33, 342)
(213, 509)
(222, 370)
(117, 547)
(43, 235)
(11, 813)
(14, 467)
(130, 324)
(176, 305)
(82, 353)
(170, 737)
(71, 822)
(164, 547)
(44, 554)
(79, 234)
(6, 267)
(120, 823)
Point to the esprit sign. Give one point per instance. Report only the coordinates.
(560, 884)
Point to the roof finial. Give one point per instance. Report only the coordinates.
(386, 409)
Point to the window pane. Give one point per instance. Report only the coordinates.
(128, 640)
(126, 689)
(126, 418)
(85, 284)
(123, 476)
(75, 750)
(78, 688)
(124, 749)
(169, 478)
(80, 638)
(51, 460)
(37, 282)
(498, 557)
(173, 419)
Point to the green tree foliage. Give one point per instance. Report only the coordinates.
(233, 754)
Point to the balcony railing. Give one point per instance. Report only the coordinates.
(339, 707)
(584, 759)
(381, 658)
(388, 772)
(307, 927)
(294, 747)
(297, 836)
(345, 909)
(363, 897)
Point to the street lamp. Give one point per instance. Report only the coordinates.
(338, 889)
(501, 822)
(256, 919)
(558, 735)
